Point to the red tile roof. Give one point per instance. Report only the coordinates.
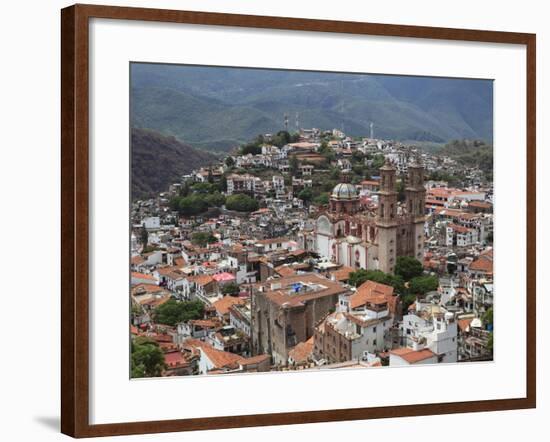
(413, 356)
(342, 274)
(201, 279)
(143, 276)
(483, 264)
(218, 358)
(370, 291)
(302, 351)
(464, 324)
(222, 306)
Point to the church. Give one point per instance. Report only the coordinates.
(372, 239)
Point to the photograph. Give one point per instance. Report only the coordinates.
(296, 221)
(275, 221)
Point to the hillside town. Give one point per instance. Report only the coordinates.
(310, 251)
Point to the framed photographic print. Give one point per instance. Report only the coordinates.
(304, 210)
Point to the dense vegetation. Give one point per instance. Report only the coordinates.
(173, 312)
(198, 198)
(231, 288)
(147, 358)
(158, 161)
(220, 108)
(471, 153)
(241, 203)
(409, 280)
(201, 239)
(361, 276)
(408, 267)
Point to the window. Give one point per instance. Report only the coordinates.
(374, 329)
(374, 342)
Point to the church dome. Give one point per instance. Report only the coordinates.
(344, 190)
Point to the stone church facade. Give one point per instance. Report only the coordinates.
(372, 239)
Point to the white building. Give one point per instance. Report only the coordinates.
(242, 183)
(460, 236)
(151, 223)
(430, 327)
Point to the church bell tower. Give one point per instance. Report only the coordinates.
(386, 218)
(415, 201)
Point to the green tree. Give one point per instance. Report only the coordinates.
(358, 170)
(229, 161)
(192, 205)
(360, 276)
(184, 189)
(223, 183)
(251, 148)
(215, 199)
(306, 194)
(357, 156)
(144, 236)
(408, 267)
(378, 161)
(174, 203)
(147, 358)
(173, 312)
(421, 285)
(487, 317)
(231, 288)
(321, 199)
(407, 300)
(283, 137)
(201, 239)
(241, 203)
(327, 152)
(205, 188)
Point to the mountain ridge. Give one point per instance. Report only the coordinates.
(219, 108)
(159, 160)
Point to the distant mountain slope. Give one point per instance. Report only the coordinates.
(158, 161)
(217, 108)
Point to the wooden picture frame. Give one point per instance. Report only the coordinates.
(75, 219)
